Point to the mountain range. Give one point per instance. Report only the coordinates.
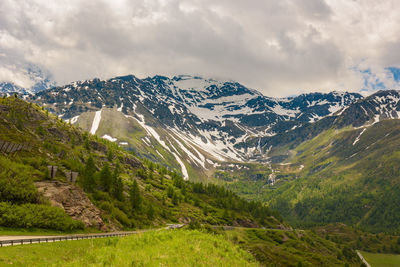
(116, 190)
(304, 155)
(193, 122)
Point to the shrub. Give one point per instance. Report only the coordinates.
(15, 183)
(99, 195)
(121, 217)
(37, 216)
(106, 206)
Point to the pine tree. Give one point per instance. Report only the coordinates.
(205, 210)
(170, 191)
(175, 199)
(117, 185)
(226, 215)
(119, 189)
(106, 178)
(151, 166)
(88, 175)
(110, 155)
(150, 212)
(135, 197)
(86, 141)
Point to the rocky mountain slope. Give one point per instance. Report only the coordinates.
(192, 123)
(317, 158)
(127, 191)
(75, 202)
(383, 105)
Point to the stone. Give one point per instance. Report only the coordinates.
(75, 202)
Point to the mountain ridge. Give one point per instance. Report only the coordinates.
(207, 117)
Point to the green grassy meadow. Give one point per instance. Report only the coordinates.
(156, 248)
(381, 260)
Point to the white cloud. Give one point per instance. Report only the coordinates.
(279, 47)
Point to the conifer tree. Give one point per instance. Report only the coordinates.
(117, 185)
(150, 212)
(175, 199)
(110, 155)
(135, 197)
(106, 178)
(88, 175)
(170, 191)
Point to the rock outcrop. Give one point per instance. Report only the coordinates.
(75, 203)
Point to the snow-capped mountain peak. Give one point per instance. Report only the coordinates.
(191, 117)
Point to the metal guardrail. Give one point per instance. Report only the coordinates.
(12, 242)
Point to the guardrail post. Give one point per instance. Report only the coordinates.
(12, 243)
(22, 241)
(31, 240)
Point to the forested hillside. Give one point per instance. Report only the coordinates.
(129, 191)
(350, 175)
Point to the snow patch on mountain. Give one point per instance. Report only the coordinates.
(195, 159)
(183, 167)
(188, 82)
(96, 122)
(358, 137)
(109, 138)
(278, 109)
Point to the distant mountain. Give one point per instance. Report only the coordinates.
(193, 121)
(38, 80)
(117, 191)
(348, 175)
(383, 105)
(344, 168)
(317, 158)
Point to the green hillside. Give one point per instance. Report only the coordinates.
(131, 192)
(349, 175)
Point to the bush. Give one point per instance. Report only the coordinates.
(36, 216)
(17, 190)
(99, 195)
(15, 183)
(106, 206)
(121, 217)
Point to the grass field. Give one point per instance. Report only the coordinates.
(381, 260)
(158, 248)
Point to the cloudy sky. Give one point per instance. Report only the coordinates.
(280, 47)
